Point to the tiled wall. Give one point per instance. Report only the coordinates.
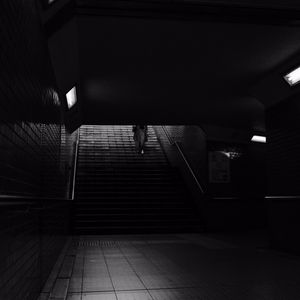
(247, 186)
(283, 142)
(32, 236)
(33, 227)
(192, 142)
(239, 204)
(54, 227)
(19, 253)
(283, 148)
(247, 165)
(29, 106)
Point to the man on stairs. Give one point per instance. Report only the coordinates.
(140, 137)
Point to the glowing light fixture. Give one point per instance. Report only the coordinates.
(293, 77)
(259, 139)
(226, 153)
(71, 97)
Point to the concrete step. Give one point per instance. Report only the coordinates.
(119, 191)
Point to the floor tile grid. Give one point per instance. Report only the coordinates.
(227, 292)
(215, 288)
(48, 286)
(163, 283)
(258, 276)
(123, 275)
(145, 269)
(52, 284)
(120, 295)
(183, 282)
(164, 291)
(175, 292)
(76, 281)
(165, 263)
(223, 290)
(175, 275)
(109, 273)
(120, 246)
(97, 277)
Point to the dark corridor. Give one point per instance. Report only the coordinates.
(208, 211)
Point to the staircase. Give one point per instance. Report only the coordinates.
(120, 191)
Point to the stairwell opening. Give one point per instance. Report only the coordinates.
(120, 191)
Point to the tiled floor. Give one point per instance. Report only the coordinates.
(163, 267)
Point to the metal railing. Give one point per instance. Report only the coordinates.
(75, 165)
(175, 143)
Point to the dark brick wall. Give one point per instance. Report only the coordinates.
(283, 129)
(32, 167)
(192, 142)
(32, 235)
(19, 265)
(283, 145)
(29, 106)
(247, 170)
(245, 208)
(239, 204)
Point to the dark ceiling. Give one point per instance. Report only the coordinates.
(177, 72)
(168, 71)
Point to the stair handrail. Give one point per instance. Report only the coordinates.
(75, 165)
(175, 143)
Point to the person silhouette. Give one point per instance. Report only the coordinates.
(140, 137)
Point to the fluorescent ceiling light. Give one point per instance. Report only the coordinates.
(293, 77)
(259, 139)
(71, 97)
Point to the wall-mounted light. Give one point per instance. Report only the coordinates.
(71, 97)
(259, 139)
(293, 77)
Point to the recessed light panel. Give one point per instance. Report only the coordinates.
(259, 139)
(71, 97)
(293, 77)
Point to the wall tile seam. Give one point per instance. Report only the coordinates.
(23, 141)
(32, 176)
(10, 272)
(22, 89)
(12, 275)
(13, 180)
